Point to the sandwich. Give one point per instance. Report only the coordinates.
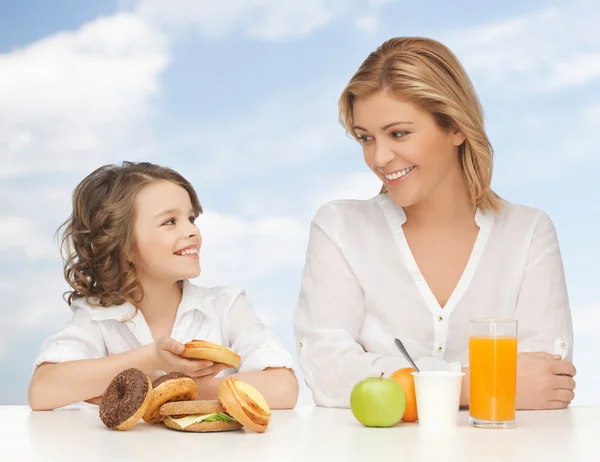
(238, 405)
(218, 354)
(197, 416)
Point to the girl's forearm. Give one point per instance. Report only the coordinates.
(55, 385)
(279, 386)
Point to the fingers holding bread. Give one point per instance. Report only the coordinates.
(218, 354)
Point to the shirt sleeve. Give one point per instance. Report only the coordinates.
(329, 318)
(258, 346)
(79, 339)
(542, 310)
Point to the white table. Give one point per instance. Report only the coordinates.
(306, 434)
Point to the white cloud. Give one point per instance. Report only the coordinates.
(265, 19)
(73, 98)
(22, 236)
(574, 142)
(379, 3)
(357, 185)
(549, 50)
(367, 24)
(369, 19)
(32, 303)
(30, 216)
(259, 139)
(43, 200)
(236, 249)
(534, 121)
(574, 70)
(41, 313)
(591, 114)
(302, 203)
(582, 138)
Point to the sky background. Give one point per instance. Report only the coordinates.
(241, 96)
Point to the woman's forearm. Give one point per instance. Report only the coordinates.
(55, 385)
(279, 386)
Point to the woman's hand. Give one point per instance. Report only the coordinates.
(544, 381)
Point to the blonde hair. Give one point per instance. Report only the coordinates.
(97, 238)
(428, 74)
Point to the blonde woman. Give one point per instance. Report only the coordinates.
(434, 249)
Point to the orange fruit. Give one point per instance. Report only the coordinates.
(407, 381)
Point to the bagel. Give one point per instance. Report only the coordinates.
(218, 354)
(174, 386)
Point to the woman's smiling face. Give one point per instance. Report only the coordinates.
(404, 146)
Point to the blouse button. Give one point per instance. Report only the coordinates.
(300, 344)
(440, 318)
(563, 344)
(440, 348)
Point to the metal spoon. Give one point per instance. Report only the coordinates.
(405, 353)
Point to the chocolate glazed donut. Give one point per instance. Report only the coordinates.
(126, 399)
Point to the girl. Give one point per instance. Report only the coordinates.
(436, 248)
(130, 247)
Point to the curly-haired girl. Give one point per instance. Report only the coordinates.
(130, 247)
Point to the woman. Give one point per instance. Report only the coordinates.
(436, 248)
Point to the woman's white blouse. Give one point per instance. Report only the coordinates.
(221, 315)
(361, 287)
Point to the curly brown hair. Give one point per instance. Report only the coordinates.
(98, 235)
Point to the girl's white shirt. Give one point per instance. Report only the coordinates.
(221, 315)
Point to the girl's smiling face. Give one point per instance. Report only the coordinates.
(166, 238)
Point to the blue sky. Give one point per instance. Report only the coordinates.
(241, 97)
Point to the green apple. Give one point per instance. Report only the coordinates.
(378, 402)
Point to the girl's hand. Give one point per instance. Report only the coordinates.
(166, 356)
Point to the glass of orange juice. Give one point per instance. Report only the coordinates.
(493, 373)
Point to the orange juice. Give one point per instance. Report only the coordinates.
(493, 378)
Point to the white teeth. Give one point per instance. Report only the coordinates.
(193, 251)
(399, 174)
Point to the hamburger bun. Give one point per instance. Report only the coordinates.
(218, 354)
